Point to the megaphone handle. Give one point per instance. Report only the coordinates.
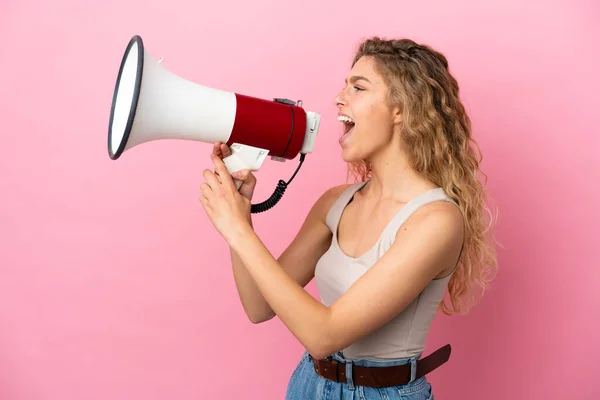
(244, 157)
(251, 158)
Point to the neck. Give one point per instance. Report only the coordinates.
(392, 177)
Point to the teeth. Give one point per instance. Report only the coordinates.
(345, 119)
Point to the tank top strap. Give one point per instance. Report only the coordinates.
(410, 208)
(337, 209)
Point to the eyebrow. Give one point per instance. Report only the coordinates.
(354, 79)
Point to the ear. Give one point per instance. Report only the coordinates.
(398, 117)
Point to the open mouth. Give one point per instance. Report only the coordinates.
(348, 128)
(348, 123)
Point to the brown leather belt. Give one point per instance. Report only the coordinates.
(397, 375)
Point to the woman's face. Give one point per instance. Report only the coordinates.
(364, 110)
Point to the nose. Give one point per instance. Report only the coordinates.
(340, 99)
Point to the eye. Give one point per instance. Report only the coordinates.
(358, 88)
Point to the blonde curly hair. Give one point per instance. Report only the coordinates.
(437, 132)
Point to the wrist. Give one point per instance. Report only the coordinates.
(241, 234)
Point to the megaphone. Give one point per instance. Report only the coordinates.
(151, 103)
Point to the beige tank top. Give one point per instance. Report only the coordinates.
(335, 272)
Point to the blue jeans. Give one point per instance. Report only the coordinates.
(306, 384)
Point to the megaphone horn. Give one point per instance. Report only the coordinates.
(150, 103)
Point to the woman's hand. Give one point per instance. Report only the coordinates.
(227, 208)
(248, 179)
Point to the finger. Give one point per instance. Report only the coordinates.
(211, 179)
(217, 149)
(206, 205)
(242, 175)
(203, 200)
(251, 178)
(216, 174)
(225, 150)
(205, 190)
(221, 169)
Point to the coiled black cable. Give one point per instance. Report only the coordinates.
(277, 194)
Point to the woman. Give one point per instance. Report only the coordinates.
(383, 250)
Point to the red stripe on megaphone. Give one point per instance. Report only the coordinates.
(270, 125)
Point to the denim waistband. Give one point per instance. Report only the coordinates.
(372, 362)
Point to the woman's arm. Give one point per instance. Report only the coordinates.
(298, 260)
(427, 243)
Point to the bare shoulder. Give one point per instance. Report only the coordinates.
(438, 227)
(327, 199)
(439, 215)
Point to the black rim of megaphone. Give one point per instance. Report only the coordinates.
(136, 93)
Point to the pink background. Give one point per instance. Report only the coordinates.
(113, 284)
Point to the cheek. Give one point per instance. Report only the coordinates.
(375, 120)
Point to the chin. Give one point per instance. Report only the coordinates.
(349, 154)
(355, 148)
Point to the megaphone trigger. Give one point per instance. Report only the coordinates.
(150, 103)
(244, 157)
